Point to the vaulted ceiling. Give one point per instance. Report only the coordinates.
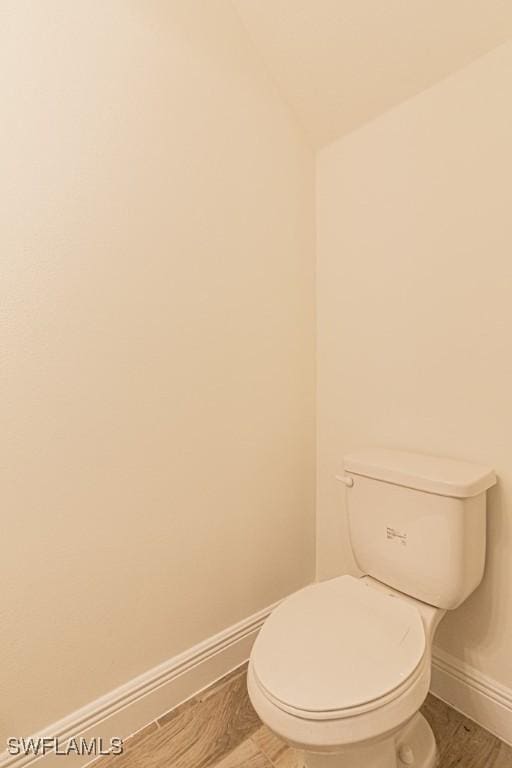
(340, 63)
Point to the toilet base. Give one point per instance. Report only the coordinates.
(412, 747)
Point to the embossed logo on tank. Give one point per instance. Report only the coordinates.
(399, 536)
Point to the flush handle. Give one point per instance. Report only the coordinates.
(348, 481)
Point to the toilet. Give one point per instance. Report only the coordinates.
(341, 668)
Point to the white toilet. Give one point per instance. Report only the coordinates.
(341, 668)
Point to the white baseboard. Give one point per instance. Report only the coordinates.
(133, 705)
(477, 696)
(130, 707)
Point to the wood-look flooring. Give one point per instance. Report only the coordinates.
(218, 728)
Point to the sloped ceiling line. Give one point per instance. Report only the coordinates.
(340, 63)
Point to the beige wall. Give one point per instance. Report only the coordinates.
(415, 314)
(158, 321)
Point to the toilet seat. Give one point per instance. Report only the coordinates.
(338, 649)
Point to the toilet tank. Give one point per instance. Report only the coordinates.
(417, 522)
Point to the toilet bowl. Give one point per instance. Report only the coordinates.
(341, 668)
(340, 671)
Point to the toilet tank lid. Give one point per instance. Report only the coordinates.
(445, 477)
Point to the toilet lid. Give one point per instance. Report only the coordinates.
(336, 645)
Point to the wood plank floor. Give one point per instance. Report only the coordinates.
(219, 729)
